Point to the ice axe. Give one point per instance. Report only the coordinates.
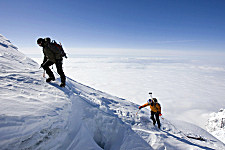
(150, 93)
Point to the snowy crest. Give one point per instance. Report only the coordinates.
(6, 43)
(12, 59)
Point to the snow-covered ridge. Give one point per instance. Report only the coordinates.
(6, 43)
(216, 124)
(38, 115)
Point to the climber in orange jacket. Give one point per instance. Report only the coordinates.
(155, 110)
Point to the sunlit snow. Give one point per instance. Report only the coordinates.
(38, 115)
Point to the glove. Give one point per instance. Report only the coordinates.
(41, 66)
(140, 107)
(160, 114)
(44, 62)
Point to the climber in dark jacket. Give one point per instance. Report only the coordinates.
(52, 55)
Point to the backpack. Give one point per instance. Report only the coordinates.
(60, 48)
(53, 42)
(154, 102)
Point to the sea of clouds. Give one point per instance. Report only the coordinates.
(189, 85)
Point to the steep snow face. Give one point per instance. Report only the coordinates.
(38, 115)
(31, 111)
(216, 125)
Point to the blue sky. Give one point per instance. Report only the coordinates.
(134, 24)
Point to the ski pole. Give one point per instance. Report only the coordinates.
(137, 112)
(161, 117)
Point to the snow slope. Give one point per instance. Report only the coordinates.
(38, 115)
(216, 125)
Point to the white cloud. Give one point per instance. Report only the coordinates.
(183, 86)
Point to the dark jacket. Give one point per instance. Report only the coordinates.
(51, 52)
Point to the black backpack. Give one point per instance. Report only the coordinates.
(60, 47)
(53, 42)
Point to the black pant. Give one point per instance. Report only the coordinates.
(153, 116)
(58, 67)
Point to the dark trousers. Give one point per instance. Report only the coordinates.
(58, 64)
(153, 116)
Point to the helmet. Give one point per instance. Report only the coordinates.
(155, 100)
(40, 41)
(150, 101)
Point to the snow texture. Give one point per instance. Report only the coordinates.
(38, 115)
(216, 125)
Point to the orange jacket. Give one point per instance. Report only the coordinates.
(155, 107)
